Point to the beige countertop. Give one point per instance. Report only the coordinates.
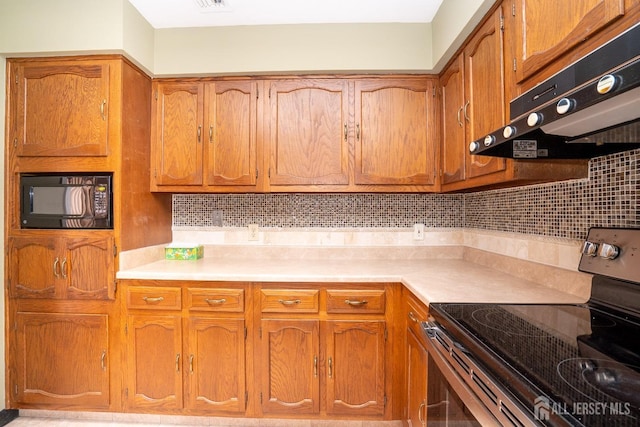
(431, 280)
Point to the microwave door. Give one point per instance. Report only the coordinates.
(77, 207)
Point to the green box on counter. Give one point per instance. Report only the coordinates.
(183, 252)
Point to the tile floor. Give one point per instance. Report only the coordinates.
(38, 418)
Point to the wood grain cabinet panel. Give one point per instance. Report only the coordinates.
(308, 136)
(290, 382)
(62, 110)
(204, 135)
(155, 364)
(472, 105)
(61, 267)
(215, 377)
(356, 367)
(62, 359)
(356, 301)
(547, 29)
(231, 133)
(290, 300)
(186, 356)
(332, 362)
(177, 148)
(217, 299)
(395, 132)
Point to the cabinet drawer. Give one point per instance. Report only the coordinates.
(369, 301)
(416, 313)
(224, 300)
(154, 298)
(289, 300)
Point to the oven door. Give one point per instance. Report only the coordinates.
(460, 392)
(449, 401)
(445, 405)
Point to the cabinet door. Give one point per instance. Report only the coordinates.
(454, 146)
(355, 353)
(178, 134)
(88, 267)
(289, 365)
(231, 132)
(62, 109)
(154, 362)
(546, 29)
(216, 373)
(484, 87)
(34, 268)
(395, 141)
(416, 381)
(308, 135)
(61, 359)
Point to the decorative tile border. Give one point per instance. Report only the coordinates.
(609, 197)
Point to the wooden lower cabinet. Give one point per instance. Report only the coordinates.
(185, 347)
(356, 367)
(415, 361)
(289, 366)
(326, 359)
(416, 391)
(215, 378)
(61, 360)
(154, 351)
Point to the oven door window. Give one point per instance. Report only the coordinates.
(444, 407)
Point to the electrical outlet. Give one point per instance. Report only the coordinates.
(253, 231)
(418, 231)
(217, 218)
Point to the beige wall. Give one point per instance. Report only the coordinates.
(293, 48)
(454, 21)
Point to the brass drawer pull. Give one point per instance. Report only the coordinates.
(215, 301)
(56, 267)
(289, 301)
(153, 300)
(103, 363)
(355, 303)
(413, 317)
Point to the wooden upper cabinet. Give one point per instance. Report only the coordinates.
(453, 149)
(231, 132)
(473, 105)
(485, 92)
(547, 29)
(308, 136)
(61, 108)
(58, 267)
(395, 132)
(178, 134)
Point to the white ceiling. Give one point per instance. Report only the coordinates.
(203, 13)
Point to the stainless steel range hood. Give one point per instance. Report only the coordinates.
(589, 109)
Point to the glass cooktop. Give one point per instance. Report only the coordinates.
(575, 363)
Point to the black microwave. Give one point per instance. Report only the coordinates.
(66, 201)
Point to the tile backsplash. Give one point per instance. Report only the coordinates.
(608, 197)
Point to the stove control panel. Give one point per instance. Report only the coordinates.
(612, 252)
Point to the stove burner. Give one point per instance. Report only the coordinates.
(505, 322)
(602, 380)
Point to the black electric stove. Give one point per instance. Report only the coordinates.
(573, 365)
